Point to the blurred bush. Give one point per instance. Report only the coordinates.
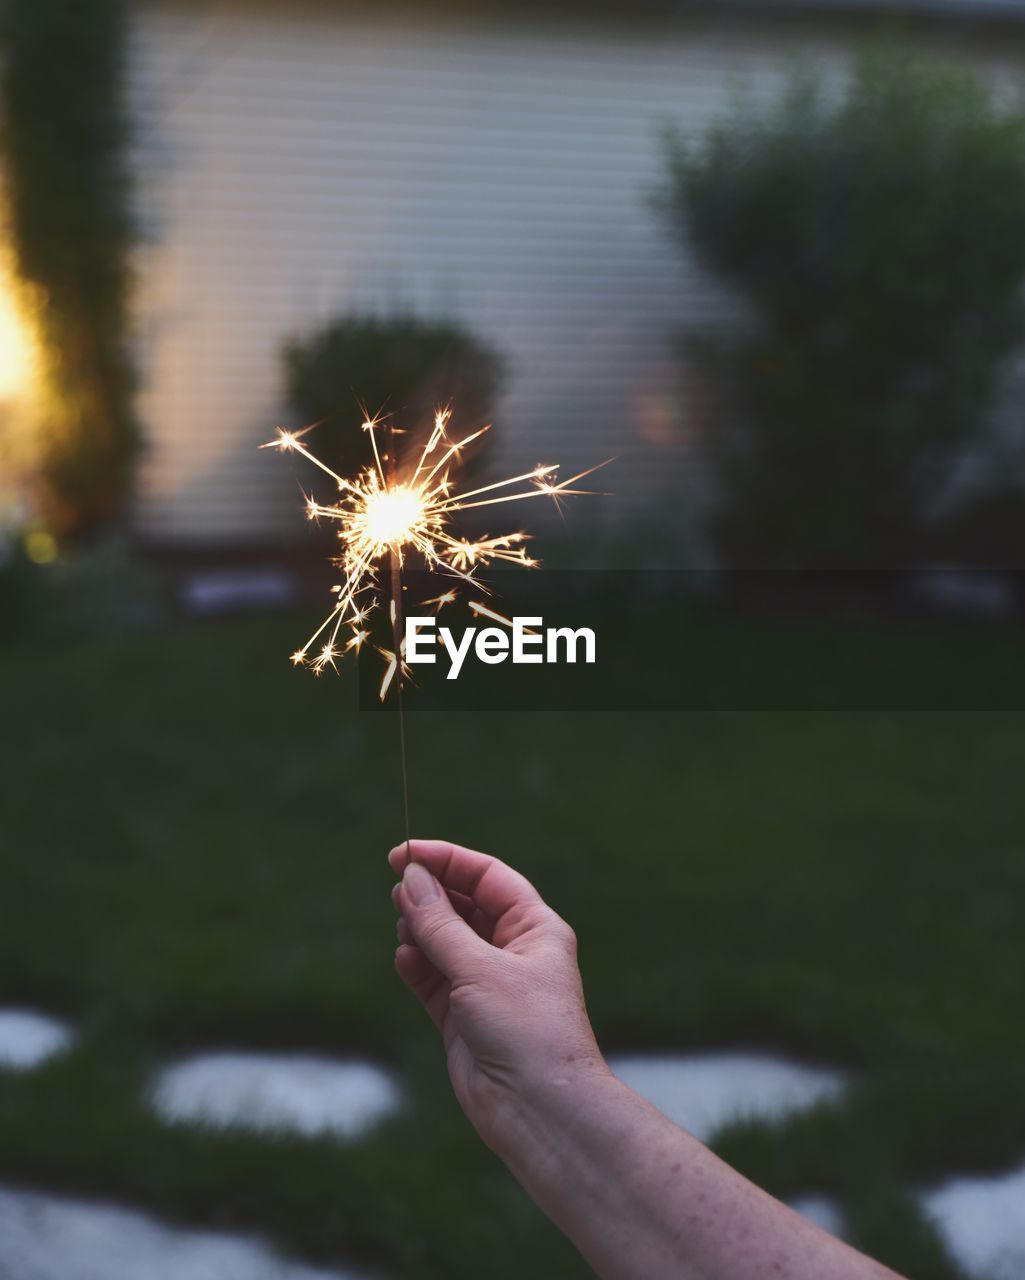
(878, 236)
(402, 366)
(20, 588)
(55, 594)
(63, 135)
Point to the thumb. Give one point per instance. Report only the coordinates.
(437, 928)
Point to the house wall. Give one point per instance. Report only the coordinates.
(297, 162)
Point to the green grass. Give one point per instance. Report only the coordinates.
(193, 843)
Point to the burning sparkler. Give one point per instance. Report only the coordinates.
(390, 515)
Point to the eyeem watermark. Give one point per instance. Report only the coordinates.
(524, 643)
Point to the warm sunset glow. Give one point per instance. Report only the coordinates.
(18, 356)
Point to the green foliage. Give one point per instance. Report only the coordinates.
(63, 138)
(879, 239)
(98, 589)
(20, 588)
(401, 366)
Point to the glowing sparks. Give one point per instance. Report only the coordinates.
(439, 602)
(482, 611)
(392, 516)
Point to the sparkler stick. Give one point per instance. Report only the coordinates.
(395, 556)
(396, 628)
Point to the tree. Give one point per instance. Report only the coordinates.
(879, 239)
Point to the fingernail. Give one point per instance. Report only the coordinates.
(420, 884)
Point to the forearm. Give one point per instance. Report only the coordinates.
(639, 1197)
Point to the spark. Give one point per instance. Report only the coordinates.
(481, 611)
(446, 597)
(391, 515)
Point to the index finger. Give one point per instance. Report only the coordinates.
(494, 887)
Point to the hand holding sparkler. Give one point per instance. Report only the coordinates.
(496, 970)
(509, 962)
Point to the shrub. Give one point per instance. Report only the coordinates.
(879, 240)
(101, 589)
(401, 366)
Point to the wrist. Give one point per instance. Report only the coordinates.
(548, 1107)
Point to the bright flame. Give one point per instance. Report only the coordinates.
(392, 515)
(379, 517)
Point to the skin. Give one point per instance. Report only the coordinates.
(496, 970)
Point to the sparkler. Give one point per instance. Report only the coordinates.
(385, 516)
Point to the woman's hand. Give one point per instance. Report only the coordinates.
(496, 969)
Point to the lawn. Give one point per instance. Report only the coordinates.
(193, 854)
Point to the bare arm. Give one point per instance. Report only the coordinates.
(639, 1197)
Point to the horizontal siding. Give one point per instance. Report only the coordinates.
(297, 164)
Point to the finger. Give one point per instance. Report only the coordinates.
(494, 887)
(479, 922)
(429, 986)
(403, 931)
(437, 928)
(474, 917)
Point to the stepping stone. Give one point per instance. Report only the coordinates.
(982, 1222)
(288, 1093)
(28, 1038)
(54, 1238)
(702, 1092)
